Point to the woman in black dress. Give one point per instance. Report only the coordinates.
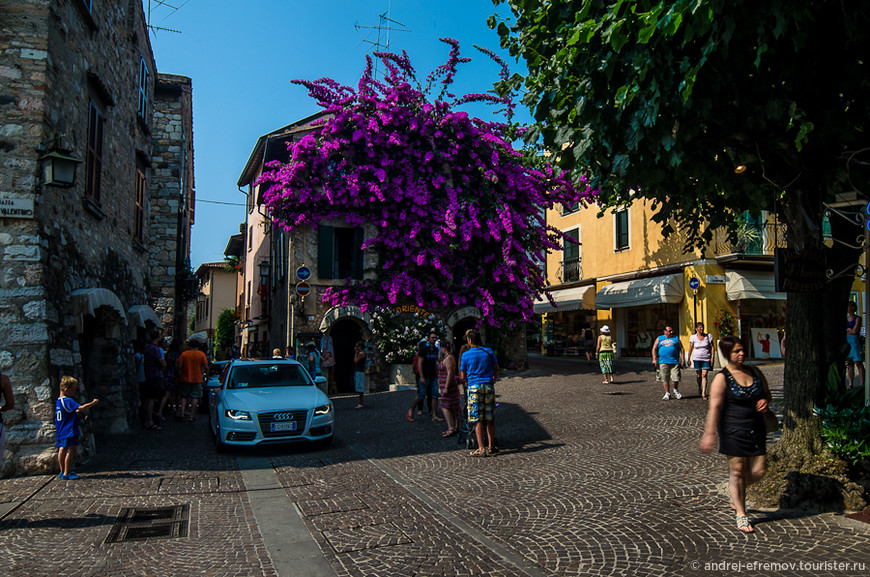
(738, 397)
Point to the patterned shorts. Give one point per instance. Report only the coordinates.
(481, 402)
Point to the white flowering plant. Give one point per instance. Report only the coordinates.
(398, 335)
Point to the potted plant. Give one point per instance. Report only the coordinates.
(725, 323)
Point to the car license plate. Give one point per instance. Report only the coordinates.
(275, 427)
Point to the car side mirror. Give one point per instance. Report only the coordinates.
(319, 380)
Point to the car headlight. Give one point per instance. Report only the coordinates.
(324, 410)
(238, 415)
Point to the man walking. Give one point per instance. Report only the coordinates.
(192, 369)
(479, 370)
(667, 355)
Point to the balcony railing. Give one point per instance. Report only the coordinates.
(570, 270)
(754, 240)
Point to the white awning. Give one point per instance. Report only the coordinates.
(87, 301)
(571, 299)
(751, 285)
(199, 337)
(143, 313)
(647, 291)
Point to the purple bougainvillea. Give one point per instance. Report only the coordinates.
(453, 212)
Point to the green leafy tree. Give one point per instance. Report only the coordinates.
(225, 332)
(709, 108)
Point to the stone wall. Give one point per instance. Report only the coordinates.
(172, 198)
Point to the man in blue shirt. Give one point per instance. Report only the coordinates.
(479, 370)
(667, 355)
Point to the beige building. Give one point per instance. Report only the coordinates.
(217, 292)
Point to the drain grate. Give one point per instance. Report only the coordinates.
(142, 524)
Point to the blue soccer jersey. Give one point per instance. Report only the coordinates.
(66, 423)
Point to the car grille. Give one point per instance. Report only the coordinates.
(266, 420)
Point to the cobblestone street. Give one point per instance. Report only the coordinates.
(592, 479)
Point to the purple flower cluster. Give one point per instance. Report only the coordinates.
(451, 210)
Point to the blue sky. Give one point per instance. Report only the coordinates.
(242, 56)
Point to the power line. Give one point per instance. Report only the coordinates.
(220, 202)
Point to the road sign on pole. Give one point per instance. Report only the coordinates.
(303, 288)
(303, 273)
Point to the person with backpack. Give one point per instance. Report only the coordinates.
(701, 356)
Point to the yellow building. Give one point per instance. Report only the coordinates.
(625, 274)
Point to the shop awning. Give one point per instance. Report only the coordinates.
(647, 291)
(142, 313)
(570, 299)
(751, 285)
(87, 301)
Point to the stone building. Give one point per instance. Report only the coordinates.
(78, 86)
(276, 262)
(173, 199)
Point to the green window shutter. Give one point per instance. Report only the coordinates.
(325, 257)
(622, 229)
(358, 255)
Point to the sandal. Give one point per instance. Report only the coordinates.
(449, 433)
(478, 453)
(437, 420)
(154, 427)
(409, 416)
(744, 525)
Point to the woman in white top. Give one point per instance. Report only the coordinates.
(701, 355)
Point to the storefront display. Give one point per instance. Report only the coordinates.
(644, 324)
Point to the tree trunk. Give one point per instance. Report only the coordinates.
(803, 375)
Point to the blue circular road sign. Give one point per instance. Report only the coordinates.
(303, 273)
(694, 283)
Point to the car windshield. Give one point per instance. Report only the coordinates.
(216, 369)
(268, 375)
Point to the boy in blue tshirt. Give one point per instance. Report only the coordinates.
(66, 425)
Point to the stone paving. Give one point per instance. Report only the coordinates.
(593, 479)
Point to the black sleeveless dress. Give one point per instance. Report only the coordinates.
(741, 427)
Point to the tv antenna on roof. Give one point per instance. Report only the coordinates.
(385, 26)
(173, 10)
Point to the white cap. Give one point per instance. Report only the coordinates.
(605, 329)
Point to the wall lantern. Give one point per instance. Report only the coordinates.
(58, 168)
(265, 267)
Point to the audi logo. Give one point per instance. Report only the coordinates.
(283, 416)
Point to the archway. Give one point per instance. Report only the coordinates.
(345, 333)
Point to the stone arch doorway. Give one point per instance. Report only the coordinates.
(459, 321)
(345, 333)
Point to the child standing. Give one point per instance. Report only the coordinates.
(66, 424)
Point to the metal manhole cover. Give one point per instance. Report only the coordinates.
(142, 524)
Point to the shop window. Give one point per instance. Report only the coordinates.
(571, 257)
(94, 164)
(620, 230)
(340, 252)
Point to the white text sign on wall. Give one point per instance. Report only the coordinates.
(11, 207)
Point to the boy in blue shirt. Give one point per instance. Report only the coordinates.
(66, 424)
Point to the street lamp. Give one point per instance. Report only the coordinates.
(58, 169)
(265, 268)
